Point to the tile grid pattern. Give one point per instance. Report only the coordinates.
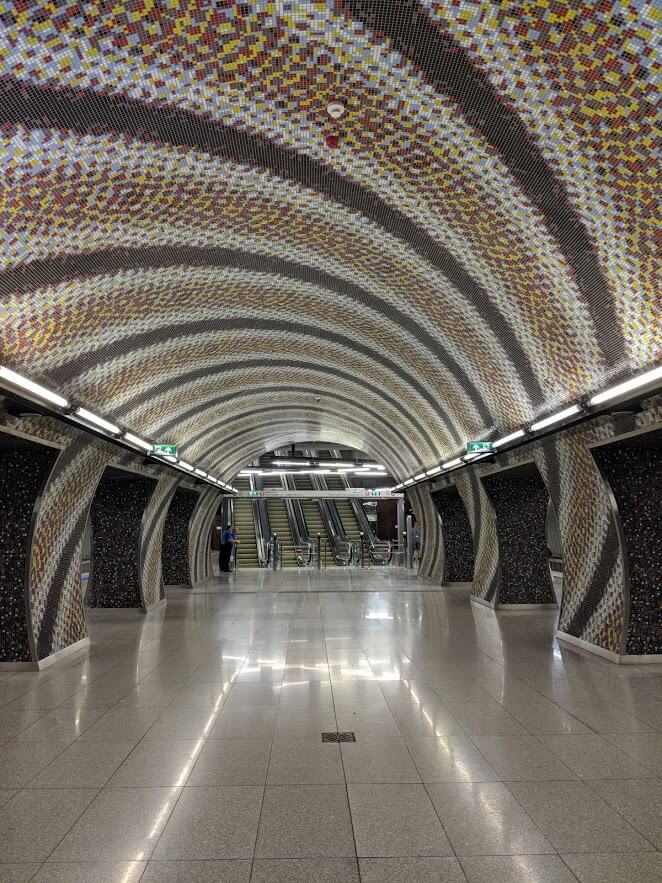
(202, 747)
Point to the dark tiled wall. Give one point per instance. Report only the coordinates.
(175, 553)
(23, 472)
(458, 541)
(520, 502)
(635, 476)
(117, 512)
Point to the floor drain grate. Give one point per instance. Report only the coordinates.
(338, 737)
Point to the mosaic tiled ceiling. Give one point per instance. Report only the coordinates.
(185, 252)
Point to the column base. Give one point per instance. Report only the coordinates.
(482, 602)
(153, 607)
(38, 664)
(620, 659)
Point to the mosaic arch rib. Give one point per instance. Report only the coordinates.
(447, 157)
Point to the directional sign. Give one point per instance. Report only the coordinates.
(480, 447)
(284, 493)
(165, 450)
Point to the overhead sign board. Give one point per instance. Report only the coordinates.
(165, 450)
(480, 447)
(353, 492)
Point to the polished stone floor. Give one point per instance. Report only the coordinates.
(186, 746)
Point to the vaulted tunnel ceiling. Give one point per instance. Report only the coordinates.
(184, 253)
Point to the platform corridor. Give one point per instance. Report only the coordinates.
(187, 745)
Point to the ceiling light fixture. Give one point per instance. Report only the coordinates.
(450, 463)
(420, 476)
(627, 386)
(291, 463)
(507, 439)
(408, 482)
(101, 422)
(434, 471)
(35, 389)
(137, 441)
(184, 465)
(555, 418)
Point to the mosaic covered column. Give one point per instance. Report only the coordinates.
(482, 517)
(199, 543)
(151, 541)
(117, 514)
(431, 562)
(594, 594)
(55, 593)
(457, 537)
(519, 498)
(24, 470)
(174, 550)
(633, 469)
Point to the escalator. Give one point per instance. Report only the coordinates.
(279, 522)
(312, 514)
(344, 509)
(244, 521)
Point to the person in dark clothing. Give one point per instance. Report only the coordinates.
(228, 542)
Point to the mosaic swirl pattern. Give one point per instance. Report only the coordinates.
(151, 540)
(200, 534)
(182, 250)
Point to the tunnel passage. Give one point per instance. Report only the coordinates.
(633, 469)
(520, 500)
(175, 551)
(457, 536)
(116, 514)
(24, 470)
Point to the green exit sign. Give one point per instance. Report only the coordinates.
(165, 450)
(480, 447)
(253, 493)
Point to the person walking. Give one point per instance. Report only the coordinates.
(228, 542)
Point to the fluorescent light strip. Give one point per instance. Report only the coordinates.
(200, 472)
(373, 466)
(507, 439)
(555, 418)
(419, 476)
(292, 463)
(378, 475)
(186, 466)
(101, 422)
(434, 471)
(627, 386)
(408, 482)
(450, 463)
(35, 389)
(137, 441)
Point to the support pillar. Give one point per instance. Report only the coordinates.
(199, 537)
(174, 554)
(482, 517)
(431, 561)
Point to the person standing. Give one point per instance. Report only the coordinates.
(228, 542)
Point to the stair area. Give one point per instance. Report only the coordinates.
(312, 515)
(348, 520)
(279, 522)
(245, 523)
